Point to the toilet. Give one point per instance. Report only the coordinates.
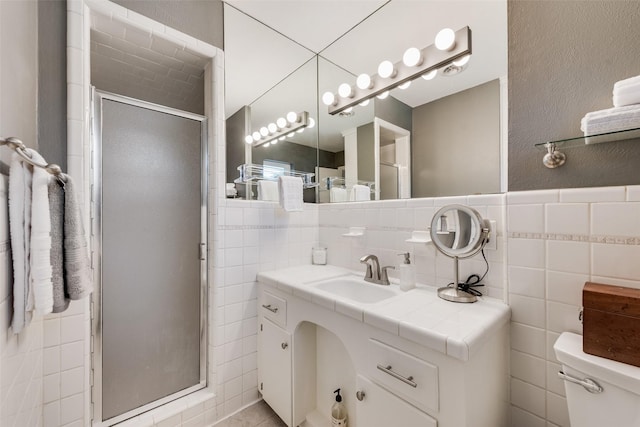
(600, 392)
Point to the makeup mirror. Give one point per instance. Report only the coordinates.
(458, 231)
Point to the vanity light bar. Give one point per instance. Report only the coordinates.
(302, 120)
(432, 59)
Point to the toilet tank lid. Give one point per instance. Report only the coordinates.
(568, 350)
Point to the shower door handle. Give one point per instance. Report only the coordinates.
(203, 251)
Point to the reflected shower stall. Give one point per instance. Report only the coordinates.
(149, 201)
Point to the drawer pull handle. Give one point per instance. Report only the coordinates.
(590, 385)
(407, 380)
(271, 309)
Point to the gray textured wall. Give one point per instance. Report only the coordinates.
(455, 147)
(393, 111)
(366, 155)
(237, 126)
(564, 57)
(52, 81)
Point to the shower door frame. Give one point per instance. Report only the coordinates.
(96, 244)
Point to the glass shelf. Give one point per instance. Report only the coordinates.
(621, 135)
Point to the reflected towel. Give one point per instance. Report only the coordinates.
(361, 193)
(40, 250)
(627, 98)
(404, 180)
(77, 268)
(268, 190)
(56, 209)
(337, 195)
(290, 188)
(20, 179)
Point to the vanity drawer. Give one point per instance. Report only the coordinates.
(413, 379)
(274, 308)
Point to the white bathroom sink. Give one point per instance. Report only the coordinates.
(356, 289)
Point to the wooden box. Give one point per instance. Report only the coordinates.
(611, 322)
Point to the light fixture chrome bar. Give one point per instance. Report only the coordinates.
(433, 59)
(302, 122)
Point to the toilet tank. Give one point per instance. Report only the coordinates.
(618, 404)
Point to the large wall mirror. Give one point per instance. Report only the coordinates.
(439, 137)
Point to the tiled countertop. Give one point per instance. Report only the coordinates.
(418, 315)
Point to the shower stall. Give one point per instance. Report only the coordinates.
(149, 204)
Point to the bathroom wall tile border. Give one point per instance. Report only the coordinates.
(612, 240)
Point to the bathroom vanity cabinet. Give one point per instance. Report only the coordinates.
(407, 360)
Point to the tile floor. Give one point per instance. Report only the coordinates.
(256, 415)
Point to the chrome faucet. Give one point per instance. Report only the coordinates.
(373, 273)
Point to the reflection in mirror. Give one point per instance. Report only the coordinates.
(459, 231)
(439, 137)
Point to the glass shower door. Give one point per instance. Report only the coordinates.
(150, 189)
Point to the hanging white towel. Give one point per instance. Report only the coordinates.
(290, 188)
(40, 248)
(20, 178)
(404, 181)
(268, 190)
(338, 194)
(361, 193)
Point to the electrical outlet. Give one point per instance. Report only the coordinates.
(492, 244)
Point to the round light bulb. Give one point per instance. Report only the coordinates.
(364, 103)
(430, 75)
(412, 57)
(383, 95)
(267, 144)
(311, 123)
(364, 81)
(292, 117)
(256, 136)
(274, 142)
(345, 90)
(282, 138)
(462, 61)
(272, 128)
(291, 134)
(328, 98)
(281, 122)
(445, 39)
(264, 131)
(386, 69)
(405, 85)
(248, 139)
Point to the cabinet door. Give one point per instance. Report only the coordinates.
(379, 408)
(274, 368)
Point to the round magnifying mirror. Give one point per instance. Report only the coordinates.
(458, 231)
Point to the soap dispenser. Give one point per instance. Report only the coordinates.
(338, 412)
(407, 275)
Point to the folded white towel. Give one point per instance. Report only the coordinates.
(290, 188)
(361, 193)
(20, 178)
(611, 120)
(268, 190)
(626, 82)
(40, 253)
(338, 194)
(627, 98)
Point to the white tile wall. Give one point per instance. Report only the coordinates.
(590, 234)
